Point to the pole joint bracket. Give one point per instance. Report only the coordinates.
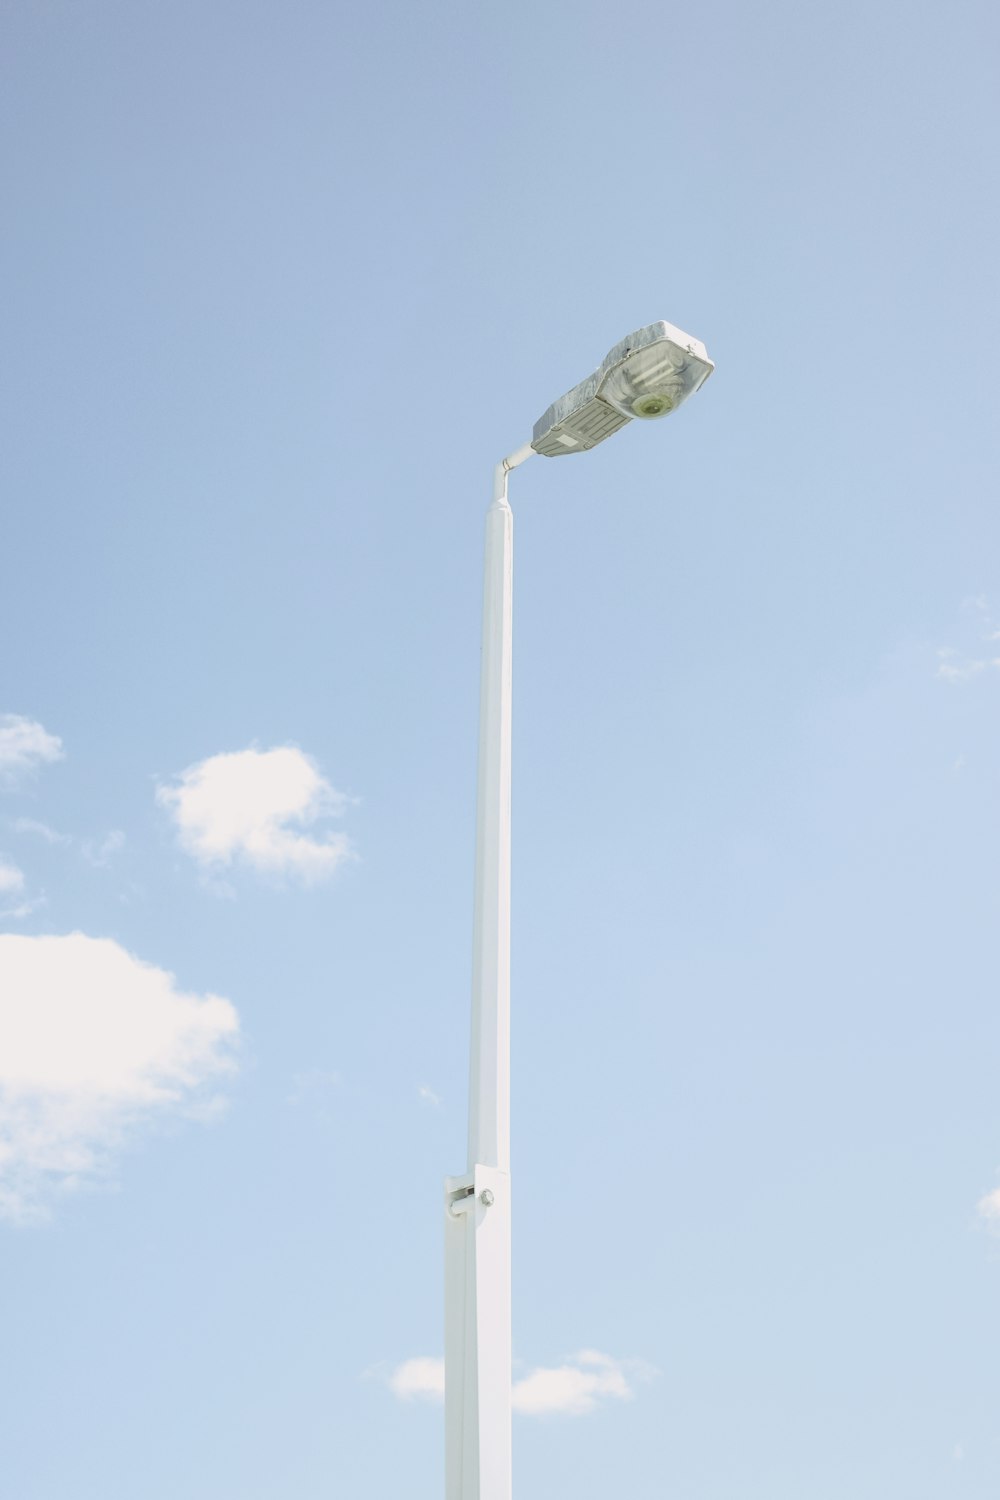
(476, 1188)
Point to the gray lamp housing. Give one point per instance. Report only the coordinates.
(648, 374)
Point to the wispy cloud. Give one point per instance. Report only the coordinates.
(41, 830)
(24, 746)
(22, 909)
(988, 1209)
(93, 1043)
(573, 1388)
(954, 665)
(100, 852)
(15, 905)
(250, 807)
(427, 1096)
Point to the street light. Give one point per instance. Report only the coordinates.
(647, 375)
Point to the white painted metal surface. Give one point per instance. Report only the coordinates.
(477, 1204)
(477, 1336)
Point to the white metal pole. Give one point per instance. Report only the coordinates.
(489, 1063)
(477, 1232)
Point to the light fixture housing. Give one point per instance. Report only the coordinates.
(648, 374)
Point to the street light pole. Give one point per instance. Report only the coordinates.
(646, 375)
(477, 1226)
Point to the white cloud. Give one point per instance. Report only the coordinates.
(573, 1388)
(11, 878)
(426, 1095)
(24, 746)
(422, 1378)
(93, 1042)
(570, 1389)
(251, 806)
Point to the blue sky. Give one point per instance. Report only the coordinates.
(282, 283)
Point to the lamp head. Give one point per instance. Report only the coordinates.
(647, 375)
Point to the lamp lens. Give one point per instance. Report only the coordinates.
(652, 406)
(654, 381)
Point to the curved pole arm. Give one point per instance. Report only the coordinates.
(504, 467)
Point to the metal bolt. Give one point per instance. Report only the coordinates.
(486, 1197)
